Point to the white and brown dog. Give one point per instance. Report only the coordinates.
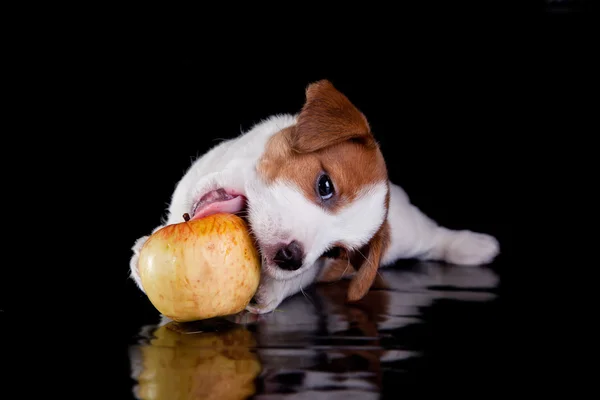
(315, 191)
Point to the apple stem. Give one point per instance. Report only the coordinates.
(186, 217)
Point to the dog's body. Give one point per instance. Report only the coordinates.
(315, 192)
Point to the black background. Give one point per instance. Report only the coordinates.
(453, 106)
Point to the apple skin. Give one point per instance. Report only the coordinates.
(201, 268)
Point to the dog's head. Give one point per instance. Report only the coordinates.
(321, 189)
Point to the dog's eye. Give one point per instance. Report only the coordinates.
(325, 187)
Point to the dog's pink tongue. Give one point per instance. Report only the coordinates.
(219, 201)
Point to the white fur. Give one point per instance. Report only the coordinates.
(279, 212)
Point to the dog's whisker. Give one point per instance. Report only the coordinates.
(345, 269)
(286, 198)
(370, 263)
(305, 295)
(363, 256)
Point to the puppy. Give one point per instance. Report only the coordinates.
(315, 192)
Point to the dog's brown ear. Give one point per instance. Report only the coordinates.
(327, 118)
(366, 262)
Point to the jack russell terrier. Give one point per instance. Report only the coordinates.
(315, 192)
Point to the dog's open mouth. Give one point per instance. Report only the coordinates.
(218, 201)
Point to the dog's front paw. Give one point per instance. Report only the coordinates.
(269, 295)
(133, 261)
(261, 309)
(264, 303)
(471, 248)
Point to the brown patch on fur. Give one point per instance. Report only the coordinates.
(366, 262)
(331, 136)
(327, 118)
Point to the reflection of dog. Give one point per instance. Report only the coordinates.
(321, 345)
(315, 185)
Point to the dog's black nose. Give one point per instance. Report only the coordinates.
(289, 257)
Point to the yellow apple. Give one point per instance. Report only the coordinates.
(200, 268)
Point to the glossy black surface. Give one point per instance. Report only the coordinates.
(422, 326)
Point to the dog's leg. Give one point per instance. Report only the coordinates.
(415, 235)
(271, 292)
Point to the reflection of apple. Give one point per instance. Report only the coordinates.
(207, 365)
(200, 268)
